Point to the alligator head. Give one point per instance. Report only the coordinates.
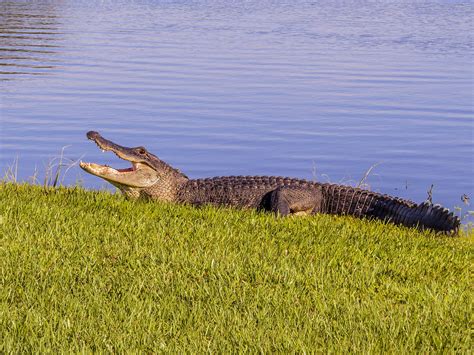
(148, 176)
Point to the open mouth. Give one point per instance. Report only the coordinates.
(105, 145)
(138, 175)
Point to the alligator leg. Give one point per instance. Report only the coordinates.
(289, 200)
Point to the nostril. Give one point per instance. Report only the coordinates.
(92, 135)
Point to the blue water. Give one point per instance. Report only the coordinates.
(314, 89)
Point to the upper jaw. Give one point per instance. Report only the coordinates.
(124, 153)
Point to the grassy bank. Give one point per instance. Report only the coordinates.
(90, 271)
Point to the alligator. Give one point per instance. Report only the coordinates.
(151, 178)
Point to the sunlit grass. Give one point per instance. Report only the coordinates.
(91, 271)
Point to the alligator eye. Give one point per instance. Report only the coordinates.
(141, 150)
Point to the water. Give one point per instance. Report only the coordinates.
(312, 89)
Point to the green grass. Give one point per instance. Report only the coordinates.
(90, 271)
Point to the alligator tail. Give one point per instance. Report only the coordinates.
(346, 200)
(423, 216)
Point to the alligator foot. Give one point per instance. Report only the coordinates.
(286, 201)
